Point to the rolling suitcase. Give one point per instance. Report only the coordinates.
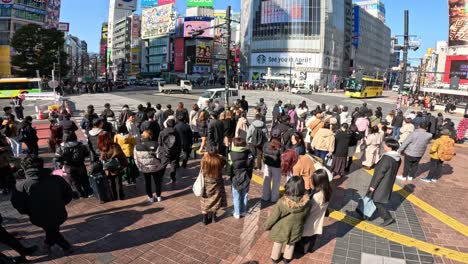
(100, 186)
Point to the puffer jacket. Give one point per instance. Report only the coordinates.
(127, 143)
(416, 143)
(71, 153)
(324, 140)
(286, 222)
(145, 157)
(240, 167)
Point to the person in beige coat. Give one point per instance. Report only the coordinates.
(373, 144)
(406, 130)
(323, 142)
(313, 226)
(242, 126)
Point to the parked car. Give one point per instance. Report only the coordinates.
(301, 90)
(395, 88)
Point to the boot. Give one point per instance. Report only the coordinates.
(205, 219)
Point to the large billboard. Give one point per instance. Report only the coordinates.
(280, 11)
(203, 52)
(456, 66)
(208, 3)
(196, 23)
(286, 60)
(53, 14)
(157, 21)
(458, 22)
(179, 58)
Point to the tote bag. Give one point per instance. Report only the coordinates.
(198, 187)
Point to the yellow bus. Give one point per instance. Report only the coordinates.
(11, 87)
(366, 88)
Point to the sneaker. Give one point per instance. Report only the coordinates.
(236, 216)
(159, 199)
(426, 180)
(150, 200)
(434, 180)
(401, 178)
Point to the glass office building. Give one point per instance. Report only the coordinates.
(304, 37)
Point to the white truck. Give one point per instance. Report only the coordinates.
(185, 87)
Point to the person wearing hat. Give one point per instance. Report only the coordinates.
(443, 149)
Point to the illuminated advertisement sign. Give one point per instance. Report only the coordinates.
(208, 3)
(192, 24)
(277, 59)
(157, 21)
(136, 26)
(280, 11)
(458, 22)
(456, 66)
(203, 52)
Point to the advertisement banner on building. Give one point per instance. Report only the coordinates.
(357, 26)
(280, 11)
(136, 26)
(203, 52)
(5, 67)
(148, 3)
(179, 58)
(196, 23)
(456, 66)
(165, 2)
(63, 27)
(286, 60)
(207, 3)
(202, 69)
(135, 55)
(458, 22)
(53, 13)
(126, 4)
(157, 21)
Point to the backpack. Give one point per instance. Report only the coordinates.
(446, 151)
(258, 137)
(73, 155)
(86, 124)
(169, 144)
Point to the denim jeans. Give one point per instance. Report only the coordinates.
(321, 154)
(239, 200)
(396, 133)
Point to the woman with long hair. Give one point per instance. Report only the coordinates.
(242, 126)
(288, 159)
(373, 143)
(202, 126)
(150, 165)
(214, 195)
(298, 143)
(313, 226)
(111, 151)
(127, 143)
(272, 151)
(182, 112)
(301, 111)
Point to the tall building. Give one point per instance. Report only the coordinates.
(371, 43)
(73, 48)
(17, 13)
(118, 10)
(125, 52)
(374, 7)
(304, 39)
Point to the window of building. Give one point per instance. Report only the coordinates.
(5, 12)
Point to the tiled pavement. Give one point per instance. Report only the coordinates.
(131, 231)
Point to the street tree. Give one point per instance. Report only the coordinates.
(37, 49)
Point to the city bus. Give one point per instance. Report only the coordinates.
(366, 88)
(11, 87)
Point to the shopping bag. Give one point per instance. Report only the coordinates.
(199, 185)
(328, 161)
(366, 206)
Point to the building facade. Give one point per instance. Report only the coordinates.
(374, 7)
(298, 39)
(371, 43)
(13, 15)
(73, 48)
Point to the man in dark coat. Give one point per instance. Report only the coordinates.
(140, 116)
(28, 135)
(67, 126)
(277, 112)
(153, 126)
(285, 130)
(384, 177)
(216, 133)
(43, 197)
(186, 138)
(340, 155)
(169, 148)
(244, 104)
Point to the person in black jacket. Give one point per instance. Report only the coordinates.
(381, 185)
(240, 169)
(286, 131)
(340, 155)
(169, 148)
(244, 104)
(43, 197)
(278, 111)
(185, 135)
(71, 155)
(88, 119)
(216, 133)
(153, 126)
(93, 139)
(140, 116)
(28, 135)
(68, 126)
(397, 123)
(181, 113)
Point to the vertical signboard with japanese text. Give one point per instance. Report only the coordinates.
(53, 14)
(458, 22)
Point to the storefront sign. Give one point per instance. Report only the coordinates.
(302, 60)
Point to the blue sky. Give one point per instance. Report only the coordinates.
(427, 20)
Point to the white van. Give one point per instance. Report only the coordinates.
(218, 94)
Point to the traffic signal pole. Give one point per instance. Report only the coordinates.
(228, 56)
(405, 52)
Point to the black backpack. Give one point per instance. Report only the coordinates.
(168, 143)
(258, 137)
(73, 155)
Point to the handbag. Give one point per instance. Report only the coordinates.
(112, 165)
(366, 206)
(198, 187)
(328, 161)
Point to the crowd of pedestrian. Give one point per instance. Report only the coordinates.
(304, 149)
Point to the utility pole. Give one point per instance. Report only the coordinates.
(405, 52)
(228, 56)
(418, 82)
